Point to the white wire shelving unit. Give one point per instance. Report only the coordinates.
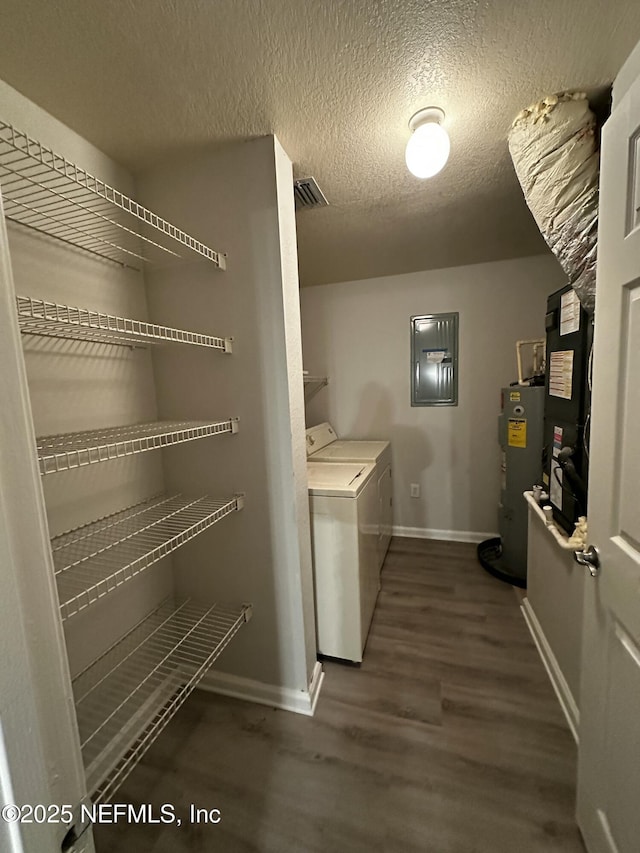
(69, 450)
(125, 698)
(93, 560)
(52, 320)
(49, 194)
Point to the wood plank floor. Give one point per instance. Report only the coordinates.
(448, 739)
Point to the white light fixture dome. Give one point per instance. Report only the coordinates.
(428, 147)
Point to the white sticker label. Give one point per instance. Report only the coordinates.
(555, 486)
(569, 312)
(561, 374)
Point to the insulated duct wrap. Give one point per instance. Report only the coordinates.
(553, 148)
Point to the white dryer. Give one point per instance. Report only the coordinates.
(343, 503)
(323, 445)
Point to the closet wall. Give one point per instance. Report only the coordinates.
(241, 193)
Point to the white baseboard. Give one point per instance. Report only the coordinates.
(286, 698)
(559, 682)
(450, 535)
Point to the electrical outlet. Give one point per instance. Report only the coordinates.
(415, 490)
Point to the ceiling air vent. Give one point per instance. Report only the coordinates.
(308, 194)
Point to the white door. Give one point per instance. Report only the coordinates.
(609, 753)
(40, 761)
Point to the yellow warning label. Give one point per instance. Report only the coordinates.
(514, 396)
(517, 432)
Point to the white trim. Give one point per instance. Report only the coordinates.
(558, 681)
(285, 698)
(450, 535)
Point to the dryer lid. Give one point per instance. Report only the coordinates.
(340, 479)
(319, 436)
(350, 451)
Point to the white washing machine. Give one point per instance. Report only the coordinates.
(343, 503)
(323, 445)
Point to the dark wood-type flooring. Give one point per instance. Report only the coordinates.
(448, 739)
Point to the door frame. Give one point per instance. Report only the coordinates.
(609, 359)
(40, 757)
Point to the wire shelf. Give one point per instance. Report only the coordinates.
(78, 449)
(125, 699)
(45, 192)
(93, 560)
(51, 320)
(313, 384)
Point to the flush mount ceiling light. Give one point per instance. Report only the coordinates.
(428, 147)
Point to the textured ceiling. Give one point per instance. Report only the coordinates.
(337, 81)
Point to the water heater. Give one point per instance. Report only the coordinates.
(520, 435)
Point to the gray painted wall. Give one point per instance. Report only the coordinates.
(555, 592)
(229, 199)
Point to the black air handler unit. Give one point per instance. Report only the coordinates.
(567, 399)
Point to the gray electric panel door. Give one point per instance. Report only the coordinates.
(434, 360)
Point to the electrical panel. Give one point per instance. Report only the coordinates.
(434, 360)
